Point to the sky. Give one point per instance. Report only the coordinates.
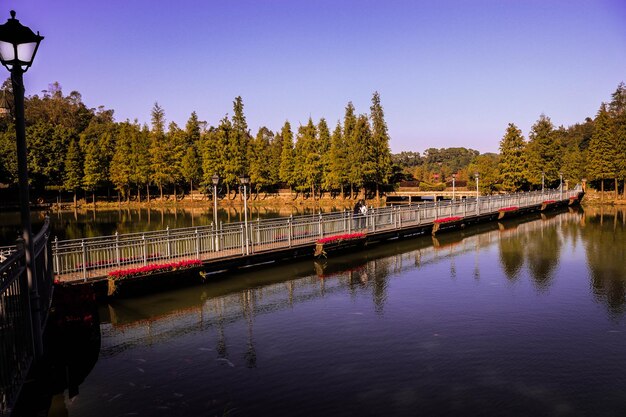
(449, 72)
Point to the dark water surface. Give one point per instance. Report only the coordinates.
(516, 319)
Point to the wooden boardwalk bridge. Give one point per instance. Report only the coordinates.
(235, 244)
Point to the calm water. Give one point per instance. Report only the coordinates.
(515, 319)
(76, 224)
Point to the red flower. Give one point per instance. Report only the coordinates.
(514, 208)
(148, 269)
(448, 219)
(549, 202)
(336, 238)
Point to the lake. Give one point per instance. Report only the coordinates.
(519, 318)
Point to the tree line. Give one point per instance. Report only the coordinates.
(74, 148)
(594, 150)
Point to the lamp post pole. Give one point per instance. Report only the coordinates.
(561, 184)
(18, 46)
(216, 180)
(453, 186)
(245, 180)
(543, 180)
(477, 207)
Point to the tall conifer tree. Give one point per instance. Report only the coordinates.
(513, 164)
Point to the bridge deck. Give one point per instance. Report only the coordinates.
(265, 240)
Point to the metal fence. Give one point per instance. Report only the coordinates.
(93, 257)
(16, 325)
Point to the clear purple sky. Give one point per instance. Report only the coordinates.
(449, 72)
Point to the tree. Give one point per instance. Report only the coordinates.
(307, 159)
(324, 144)
(159, 149)
(488, 174)
(95, 168)
(544, 153)
(287, 156)
(213, 146)
(353, 157)
(235, 160)
(191, 167)
(513, 164)
(121, 168)
(338, 169)
(192, 129)
(603, 149)
(259, 157)
(73, 175)
(380, 145)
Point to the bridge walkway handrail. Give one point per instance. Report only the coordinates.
(95, 257)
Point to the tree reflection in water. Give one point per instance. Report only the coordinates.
(604, 235)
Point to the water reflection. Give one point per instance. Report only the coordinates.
(77, 224)
(219, 304)
(474, 318)
(604, 235)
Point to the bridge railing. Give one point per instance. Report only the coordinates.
(16, 323)
(90, 257)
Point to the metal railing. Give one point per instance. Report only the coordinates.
(16, 325)
(93, 257)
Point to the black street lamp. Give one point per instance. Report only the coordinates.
(245, 180)
(18, 46)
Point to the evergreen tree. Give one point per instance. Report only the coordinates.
(513, 163)
(324, 143)
(276, 149)
(544, 153)
(121, 168)
(214, 144)
(287, 162)
(73, 174)
(177, 140)
(159, 149)
(142, 159)
(191, 167)
(351, 142)
(363, 158)
(603, 159)
(259, 157)
(96, 168)
(380, 145)
(339, 164)
(307, 159)
(192, 129)
(235, 161)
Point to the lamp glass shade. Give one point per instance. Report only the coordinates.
(215, 179)
(18, 44)
(244, 179)
(7, 51)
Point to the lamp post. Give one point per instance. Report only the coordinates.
(476, 177)
(561, 184)
(216, 180)
(18, 46)
(453, 186)
(245, 180)
(543, 181)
